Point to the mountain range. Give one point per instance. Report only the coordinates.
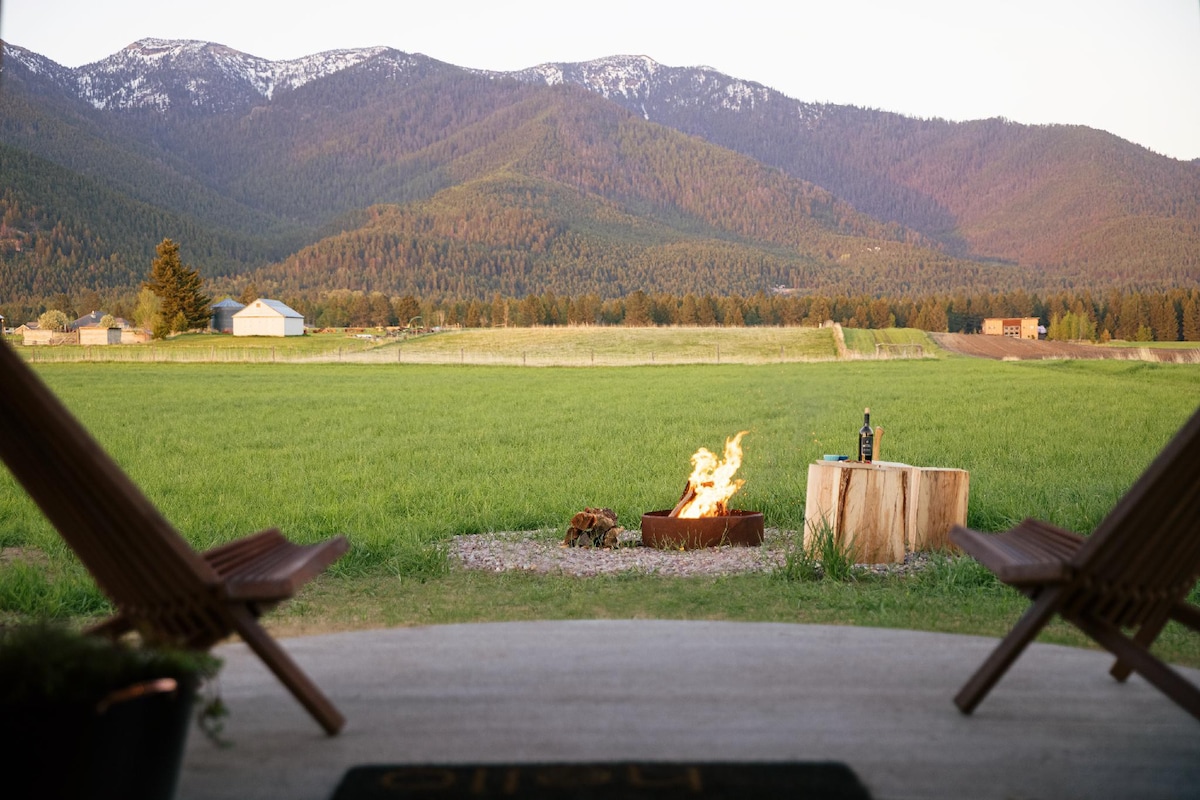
(378, 170)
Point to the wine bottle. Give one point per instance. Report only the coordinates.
(866, 439)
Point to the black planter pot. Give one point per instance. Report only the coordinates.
(130, 747)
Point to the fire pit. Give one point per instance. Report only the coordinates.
(744, 528)
(700, 518)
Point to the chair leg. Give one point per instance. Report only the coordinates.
(288, 672)
(1183, 613)
(1150, 667)
(1186, 614)
(1144, 638)
(1010, 647)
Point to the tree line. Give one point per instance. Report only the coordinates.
(1132, 316)
(174, 299)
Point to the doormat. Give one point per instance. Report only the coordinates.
(605, 781)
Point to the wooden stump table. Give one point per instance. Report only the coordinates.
(883, 510)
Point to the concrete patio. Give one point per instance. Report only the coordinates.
(1057, 726)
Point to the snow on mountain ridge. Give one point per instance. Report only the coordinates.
(626, 76)
(35, 63)
(161, 73)
(206, 71)
(641, 83)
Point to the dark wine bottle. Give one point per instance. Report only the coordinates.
(866, 439)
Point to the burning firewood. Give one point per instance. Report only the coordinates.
(689, 494)
(711, 482)
(593, 527)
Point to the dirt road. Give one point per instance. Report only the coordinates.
(1005, 347)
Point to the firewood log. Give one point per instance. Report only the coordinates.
(689, 494)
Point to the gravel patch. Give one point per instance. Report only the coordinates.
(542, 552)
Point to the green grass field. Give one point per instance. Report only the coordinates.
(592, 346)
(401, 457)
(533, 347)
(206, 347)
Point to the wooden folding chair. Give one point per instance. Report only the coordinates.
(1134, 572)
(161, 587)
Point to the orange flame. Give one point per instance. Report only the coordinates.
(711, 482)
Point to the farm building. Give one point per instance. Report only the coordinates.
(86, 321)
(1016, 327)
(32, 333)
(94, 334)
(89, 331)
(268, 318)
(222, 315)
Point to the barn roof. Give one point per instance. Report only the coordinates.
(264, 307)
(87, 321)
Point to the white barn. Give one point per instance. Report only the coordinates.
(268, 318)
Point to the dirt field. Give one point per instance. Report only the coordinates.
(1004, 347)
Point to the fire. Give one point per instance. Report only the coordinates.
(711, 483)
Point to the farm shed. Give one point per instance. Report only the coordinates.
(94, 334)
(35, 335)
(268, 318)
(222, 315)
(1016, 327)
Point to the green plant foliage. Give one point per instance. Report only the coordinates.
(818, 556)
(53, 320)
(52, 663)
(183, 306)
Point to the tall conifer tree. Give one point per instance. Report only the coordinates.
(184, 305)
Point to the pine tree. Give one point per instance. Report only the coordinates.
(184, 305)
(1191, 320)
(1163, 321)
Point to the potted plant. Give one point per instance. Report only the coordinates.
(86, 717)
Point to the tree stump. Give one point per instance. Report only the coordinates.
(882, 510)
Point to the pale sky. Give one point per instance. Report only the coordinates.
(1130, 67)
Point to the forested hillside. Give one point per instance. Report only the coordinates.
(379, 171)
(1062, 197)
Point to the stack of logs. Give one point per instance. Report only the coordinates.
(593, 527)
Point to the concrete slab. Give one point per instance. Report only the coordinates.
(1057, 726)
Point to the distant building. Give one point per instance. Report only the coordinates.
(32, 333)
(94, 334)
(268, 318)
(86, 321)
(222, 316)
(89, 331)
(1015, 327)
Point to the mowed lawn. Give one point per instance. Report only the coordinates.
(401, 457)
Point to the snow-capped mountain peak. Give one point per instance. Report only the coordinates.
(166, 73)
(642, 84)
